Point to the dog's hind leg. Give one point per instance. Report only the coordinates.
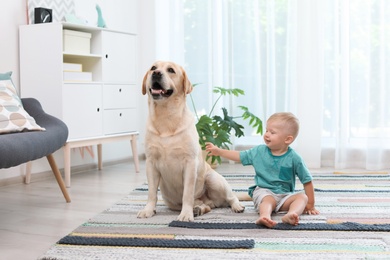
(243, 196)
(200, 208)
(220, 192)
(235, 203)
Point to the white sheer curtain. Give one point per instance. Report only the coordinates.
(356, 113)
(234, 44)
(325, 61)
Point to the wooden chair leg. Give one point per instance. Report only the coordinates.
(100, 156)
(58, 176)
(27, 179)
(67, 164)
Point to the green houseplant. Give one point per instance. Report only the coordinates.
(219, 129)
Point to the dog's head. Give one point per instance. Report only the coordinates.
(165, 79)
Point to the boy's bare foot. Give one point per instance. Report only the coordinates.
(291, 218)
(266, 222)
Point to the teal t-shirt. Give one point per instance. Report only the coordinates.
(276, 173)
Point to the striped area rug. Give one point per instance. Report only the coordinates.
(354, 224)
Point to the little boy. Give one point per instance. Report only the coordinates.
(276, 165)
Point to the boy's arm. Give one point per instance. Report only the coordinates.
(309, 190)
(228, 154)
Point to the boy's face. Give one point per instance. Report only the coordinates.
(276, 136)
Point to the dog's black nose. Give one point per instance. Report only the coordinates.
(156, 75)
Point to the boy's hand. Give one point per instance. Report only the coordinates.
(228, 154)
(212, 149)
(311, 210)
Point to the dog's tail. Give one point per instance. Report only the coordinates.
(243, 196)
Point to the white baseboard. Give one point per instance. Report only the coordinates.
(40, 176)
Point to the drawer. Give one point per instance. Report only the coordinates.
(119, 96)
(117, 121)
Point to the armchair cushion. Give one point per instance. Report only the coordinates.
(18, 148)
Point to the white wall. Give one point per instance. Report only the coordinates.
(9, 51)
(121, 15)
(9, 22)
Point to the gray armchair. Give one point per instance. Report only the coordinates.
(22, 147)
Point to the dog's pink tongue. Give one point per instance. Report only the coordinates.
(157, 91)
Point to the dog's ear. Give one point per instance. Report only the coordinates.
(186, 83)
(144, 83)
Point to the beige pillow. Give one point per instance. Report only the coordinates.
(13, 117)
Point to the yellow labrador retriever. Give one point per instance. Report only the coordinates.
(174, 159)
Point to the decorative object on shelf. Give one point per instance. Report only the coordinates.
(76, 76)
(43, 15)
(77, 42)
(59, 8)
(72, 18)
(217, 129)
(72, 67)
(100, 22)
(73, 72)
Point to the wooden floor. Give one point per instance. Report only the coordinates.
(35, 216)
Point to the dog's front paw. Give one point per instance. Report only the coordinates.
(145, 213)
(238, 208)
(186, 216)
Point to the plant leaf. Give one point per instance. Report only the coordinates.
(228, 124)
(254, 121)
(228, 91)
(217, 129)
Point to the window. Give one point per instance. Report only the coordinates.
(257, 45)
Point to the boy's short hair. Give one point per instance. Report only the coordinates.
(289, 119)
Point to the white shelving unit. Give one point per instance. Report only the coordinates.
(98, 111)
